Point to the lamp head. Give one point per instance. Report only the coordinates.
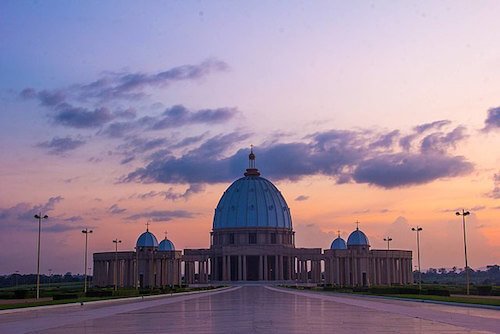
(466, 213)
(37, 216)
(457, 213)
(45, 217)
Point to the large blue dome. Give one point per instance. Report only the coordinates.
(252, 201)
(357, 238)
(147, 239)
(166, 245)
(338, 243)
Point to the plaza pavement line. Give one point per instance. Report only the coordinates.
(106, 301)
(410, 309)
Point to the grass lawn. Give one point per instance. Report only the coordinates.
(453, 299)
(54, 302)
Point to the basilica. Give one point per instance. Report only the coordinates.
(252, 239)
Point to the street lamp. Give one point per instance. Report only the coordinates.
(463, 214)
(388, 239)
(116, 242)
(418, 229)
(39, 217)
(86, 232)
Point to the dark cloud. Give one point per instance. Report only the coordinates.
(129, 113)
(301, 198)
(45, 97)
(440, 142)
(346, 156)
(132, 85)
(385, 140)
(28, 93)
(21, 215)
(188, 141)
(174, 117)
(161, 215)
(170, 194)
(431, 126)
(492, 121)
(89, 105)
(201, 165)
(115, 209)
(178, 115)
(61, 145)
(51, 98)
(81, 118)
(495, 193)
(127, 160)
(403, 169)
(119, 129)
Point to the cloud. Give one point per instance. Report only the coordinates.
(346, 156)
(201, 165)
(495, 193)
(115, 209)
(193, 189)
(178, 115)
(440, 142)
(402, 169)
(60, 146)
(385, 140)
(162, 215)
(89, 105)
(81, 118)
(301, 198)
(436, 125)
(21, 215)
(173, 117)
(132, 85)
(492, 121)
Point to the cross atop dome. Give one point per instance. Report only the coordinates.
(147, 226)
(251, 170)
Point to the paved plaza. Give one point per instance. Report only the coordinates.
(253, 309)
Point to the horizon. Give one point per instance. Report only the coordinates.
(115, 115)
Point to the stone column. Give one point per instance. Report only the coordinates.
(244, 267)
(266, 269)
(261, 266)
(224, 268)
(276, 267)
(240, 265)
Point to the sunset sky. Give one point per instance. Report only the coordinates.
(113, 113)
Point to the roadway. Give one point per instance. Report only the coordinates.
(253, 309)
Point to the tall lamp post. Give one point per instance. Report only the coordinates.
(463, 214)
(418, 229)
(39, 217)
(86, 232)
(388, 239)
(116, 242)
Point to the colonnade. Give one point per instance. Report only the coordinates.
(368, 270)
(128, 270)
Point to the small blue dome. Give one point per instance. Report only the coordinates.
(147, 239)
(357, 238)
(338, 243)
(166, 245)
